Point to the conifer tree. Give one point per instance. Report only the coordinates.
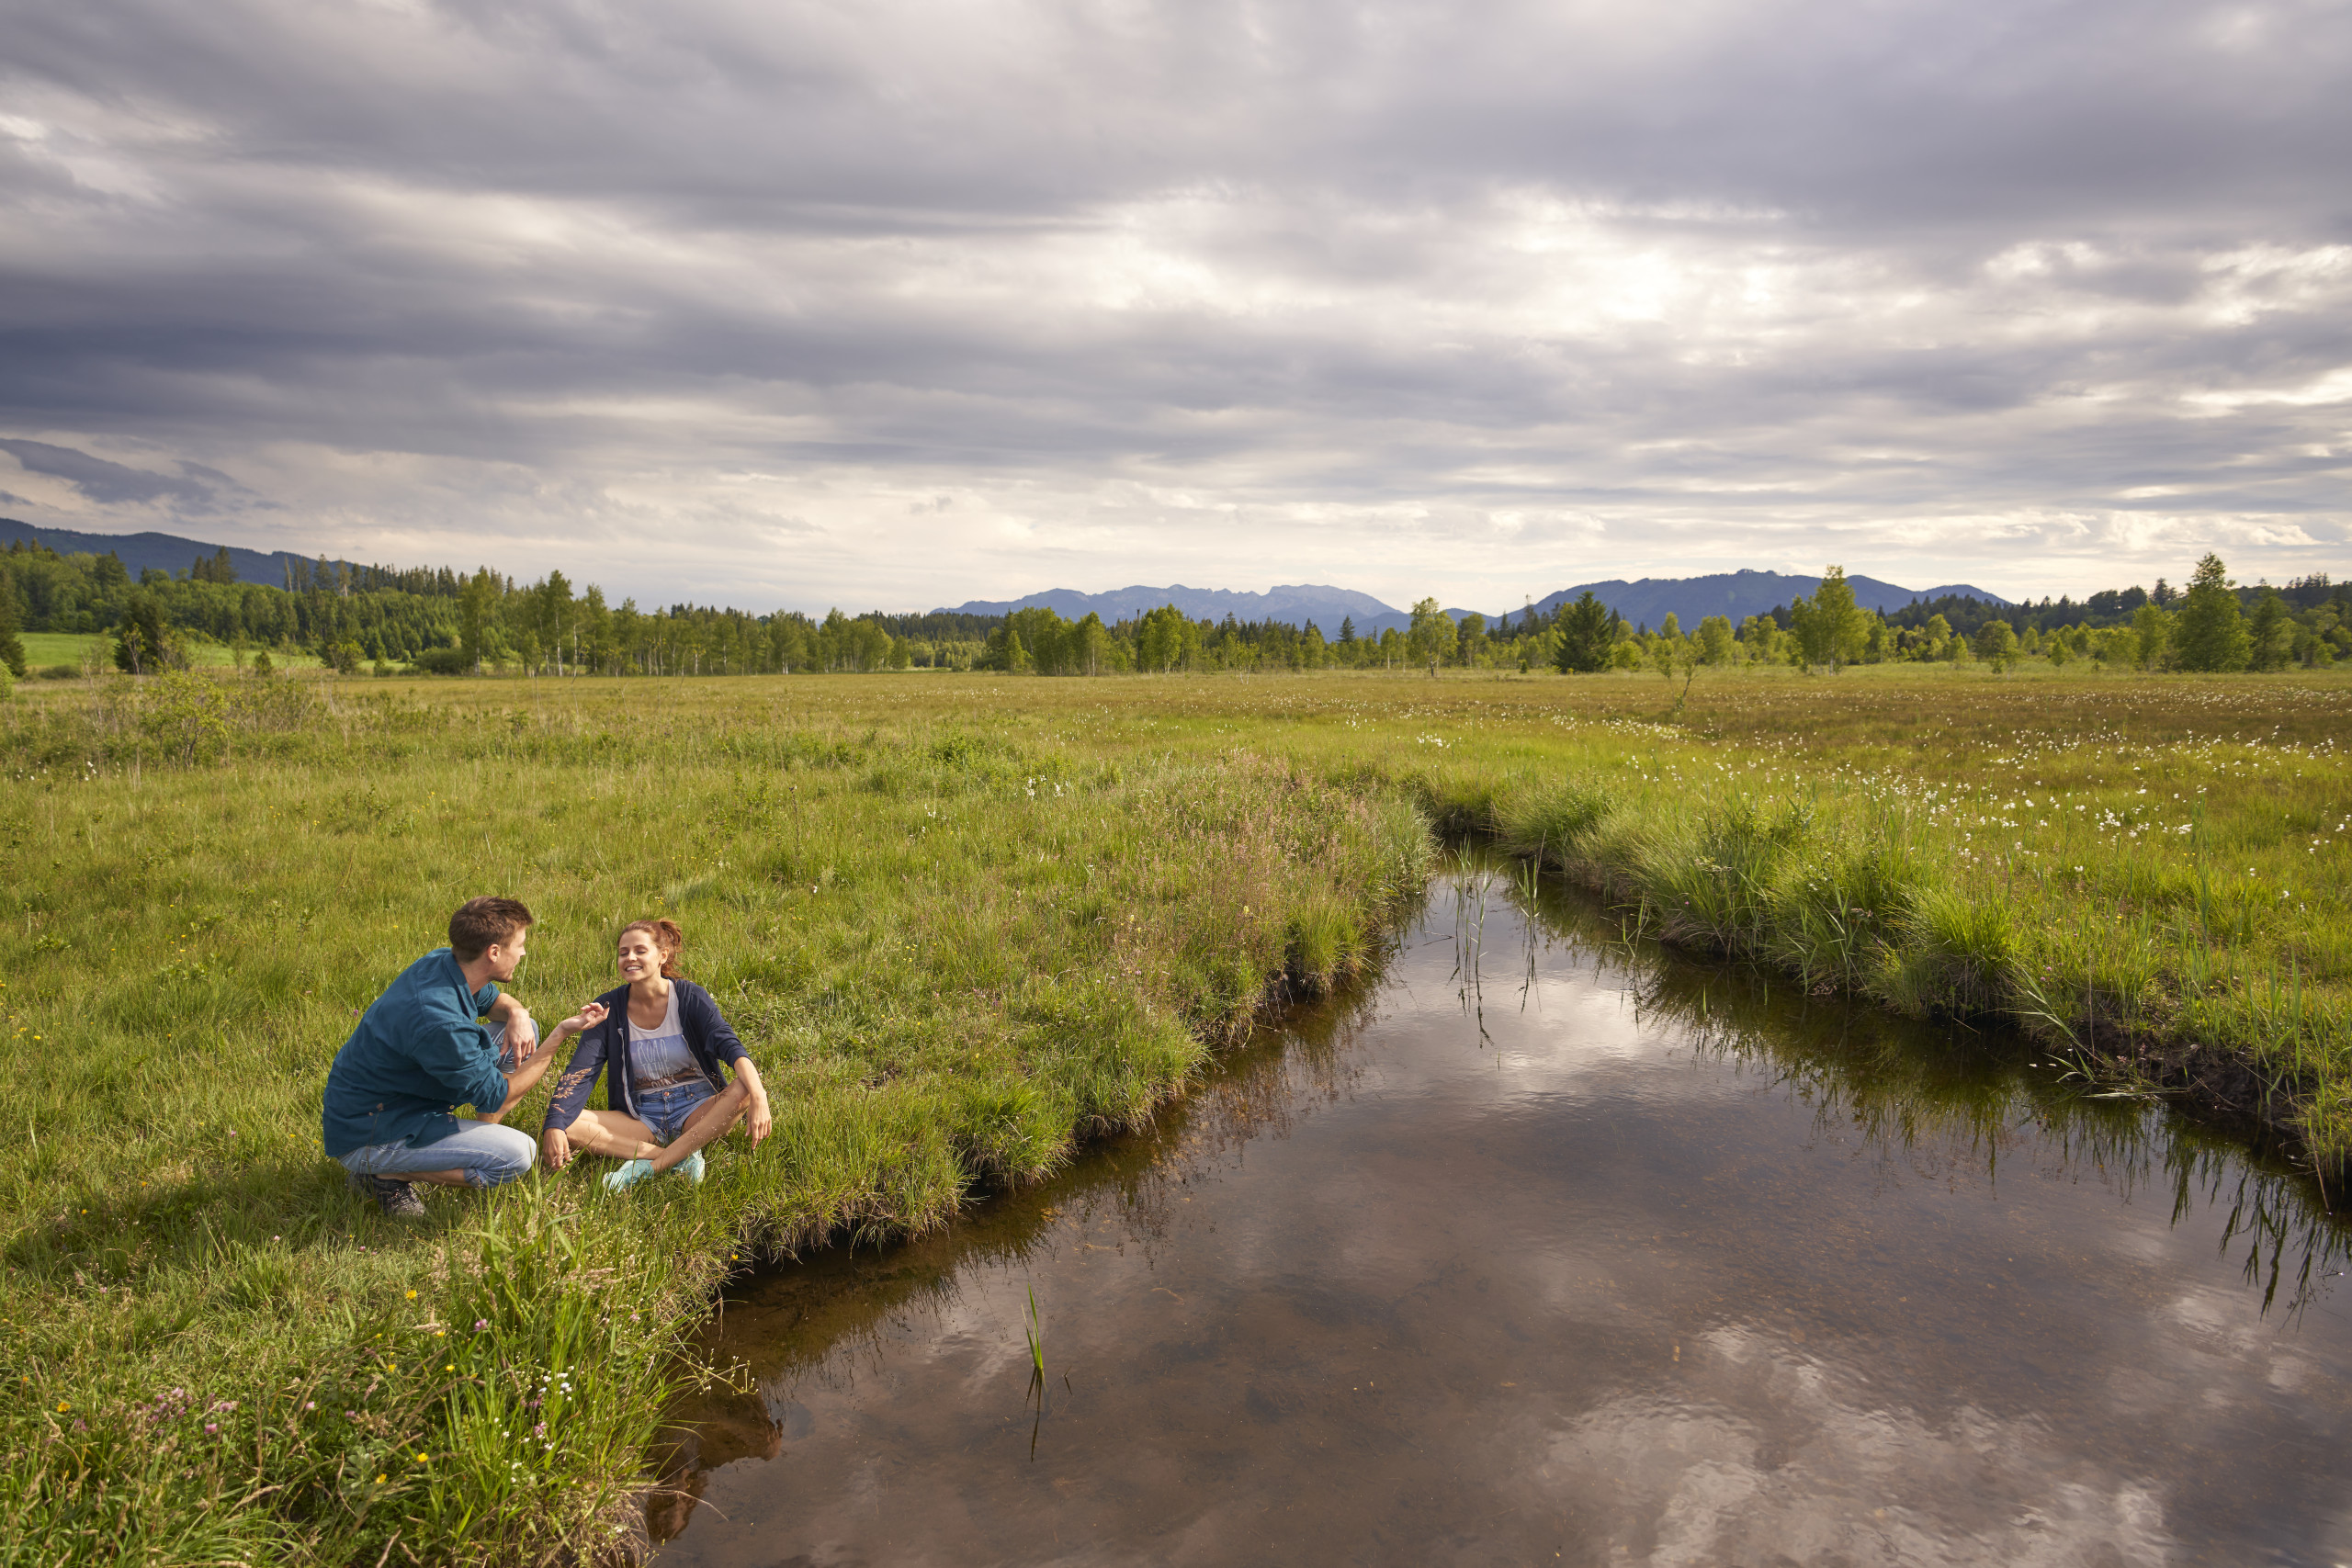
(1588, 629)
(2212, 634)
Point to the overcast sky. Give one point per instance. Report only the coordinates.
(891, 304)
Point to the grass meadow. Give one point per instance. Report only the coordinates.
(961, 922)
(83, 650)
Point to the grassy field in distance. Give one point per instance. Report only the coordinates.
(45, 650)
(959, 921)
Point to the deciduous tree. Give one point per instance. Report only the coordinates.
(1431, 636)
(1830, 630)
(2271, 636)
(12, 646)
(1997, 644)
(474, 603)
(1470, 640)
(2151, 631)
(141, 645)
(1714, 640)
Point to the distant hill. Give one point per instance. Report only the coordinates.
(136, 552)
(1739, 594)
(1297, 604)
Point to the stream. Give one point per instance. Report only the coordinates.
(1547, 1247)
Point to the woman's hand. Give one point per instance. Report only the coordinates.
(756, 1119)
(555, 1145)
(590, 1015)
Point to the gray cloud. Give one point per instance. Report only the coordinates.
(1472, 300)
(104, 482)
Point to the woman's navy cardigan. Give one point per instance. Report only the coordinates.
(604, 1048)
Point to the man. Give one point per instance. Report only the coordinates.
(419, 1052)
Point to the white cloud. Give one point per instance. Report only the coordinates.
(1793, 1460)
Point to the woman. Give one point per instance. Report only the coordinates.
(662, 1040)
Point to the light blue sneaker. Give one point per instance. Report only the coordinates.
(631, 1173)
(691, 1167)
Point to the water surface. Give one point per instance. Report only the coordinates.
(1547, 1248)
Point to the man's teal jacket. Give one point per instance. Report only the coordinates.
(417, 1055)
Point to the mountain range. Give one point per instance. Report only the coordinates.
(1647, 601)
(1740, 595)
(1297, 604)
(1737, 594)
(166, 552)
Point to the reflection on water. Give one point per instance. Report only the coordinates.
(1553, 1247)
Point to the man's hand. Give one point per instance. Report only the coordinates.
(557, 1148)
(521, 1037)
(759, 1122)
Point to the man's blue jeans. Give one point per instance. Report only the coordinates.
(491, 1155)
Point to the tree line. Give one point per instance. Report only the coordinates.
(2212, 626)
(442, 623)
(438, 621)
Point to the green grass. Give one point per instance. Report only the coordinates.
(961, 922)
(2150, 873)
(956, 941)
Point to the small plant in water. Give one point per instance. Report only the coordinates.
(1035, 1331)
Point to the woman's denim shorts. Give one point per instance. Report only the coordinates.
(665, 1109)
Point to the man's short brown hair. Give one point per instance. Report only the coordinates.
(481, 924)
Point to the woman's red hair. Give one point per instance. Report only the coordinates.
(668, 940)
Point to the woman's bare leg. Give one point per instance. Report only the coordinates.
(520, 1082)
(611, 1133)
(710, 1120)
